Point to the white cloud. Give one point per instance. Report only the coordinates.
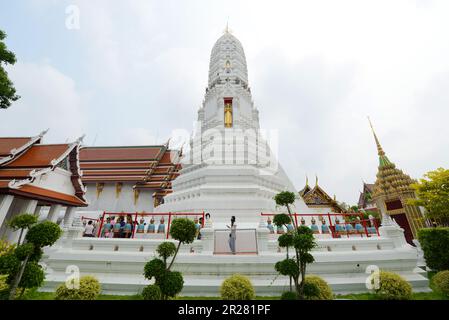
(49, 99)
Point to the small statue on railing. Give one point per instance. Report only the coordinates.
(358, 226)
(151, 227)
(270, 225)
(340, 229)
(324, 227)
(161, 227)
(280, 230)
(314, 227)
(140, 228)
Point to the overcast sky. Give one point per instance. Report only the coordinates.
(136, 70)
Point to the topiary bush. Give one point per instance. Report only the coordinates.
(165, 250)
(393, 287)
(289, 295)
(237, 287)
(183, 230)
(322, 290)
(154, 268)
(287, 267)
(281, 219)
(441, 282)
(171, 283)
(435, 244)
(89, 289)
(152, 292)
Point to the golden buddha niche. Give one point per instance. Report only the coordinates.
(228, 115)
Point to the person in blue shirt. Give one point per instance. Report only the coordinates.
(127, 228)
(117, 229)
(107, 229)
(197, 228)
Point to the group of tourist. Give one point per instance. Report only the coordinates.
(126, 227)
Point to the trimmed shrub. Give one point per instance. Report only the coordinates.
(393, 287)
(183, 230)
(435, 244)
(289, 295)
(287, 267)
(237, 287)
(441, 282)
(44, 234)
(322, 290)
(171, 283)
(281, 219)
(89, 289)
(33, 276)
(154, 268)
(166, 249)
(285, 240)
(152, 292)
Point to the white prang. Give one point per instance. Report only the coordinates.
(229, 171)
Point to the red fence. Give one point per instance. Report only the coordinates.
(332, 227)
(137, 215)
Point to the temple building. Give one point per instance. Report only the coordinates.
(366, 201)
(318, 200)
(128, 179)
(230, 169)
(34, 176)
(391, 191)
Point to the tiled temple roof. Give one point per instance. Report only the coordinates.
(28, 159)
(148, 167)
(390, 180)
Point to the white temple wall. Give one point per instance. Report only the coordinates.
(108, 200)
(57, 180)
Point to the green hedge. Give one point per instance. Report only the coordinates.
(435, 244)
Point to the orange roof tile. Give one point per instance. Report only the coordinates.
(7, 144)
(39, 156)
(119, 153)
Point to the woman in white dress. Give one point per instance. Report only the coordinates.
(232, 235)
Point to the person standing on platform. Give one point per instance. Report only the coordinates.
(232, 235)
(89, 230)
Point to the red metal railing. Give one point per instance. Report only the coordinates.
(137, 215)
(331, 226)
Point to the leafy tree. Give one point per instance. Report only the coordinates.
(433, 194)
(22, 222)
(40, 235)
(7, 90)
(301, 239)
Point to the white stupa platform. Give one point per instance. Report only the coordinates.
(119, 263)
